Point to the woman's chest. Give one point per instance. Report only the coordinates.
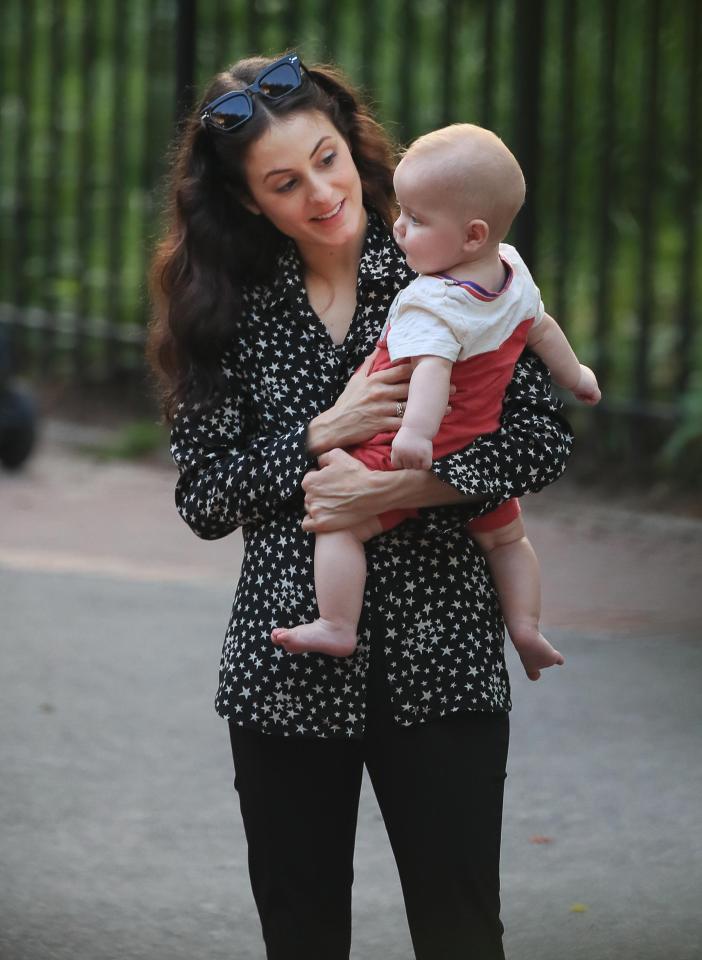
(335, 309)
(291, 367)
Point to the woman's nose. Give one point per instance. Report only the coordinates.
(320, 190)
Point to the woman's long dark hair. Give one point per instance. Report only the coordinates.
(213, 244)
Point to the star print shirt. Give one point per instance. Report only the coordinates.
(429, 601)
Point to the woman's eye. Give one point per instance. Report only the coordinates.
(285, 187)
(329, 159)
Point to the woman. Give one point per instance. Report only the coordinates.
(270, 289)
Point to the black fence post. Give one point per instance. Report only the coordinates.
(85, 223)
(689, 217)
(528, 56)
(650, 94)
(406, 74)
(186, 25)
(568, 64)
(606, 233)
(19, 296)
(487, 100)
(47, 345)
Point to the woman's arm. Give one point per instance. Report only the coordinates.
(344, 492)
(529, 451)
(228, 475)
(366, 407)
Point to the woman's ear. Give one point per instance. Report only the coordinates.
(246, 201)
(476, 235)
(241, 197)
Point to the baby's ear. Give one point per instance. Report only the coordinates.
(476, 235)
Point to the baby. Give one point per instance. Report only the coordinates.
(464, 320)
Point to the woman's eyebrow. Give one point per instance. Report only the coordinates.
(319, 143)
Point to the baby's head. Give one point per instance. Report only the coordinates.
(459, 189)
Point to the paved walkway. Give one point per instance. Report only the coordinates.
(119, 835)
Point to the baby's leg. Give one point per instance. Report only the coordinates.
(339, 579)
(515, 571)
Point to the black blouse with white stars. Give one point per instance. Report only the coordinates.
(429, 598)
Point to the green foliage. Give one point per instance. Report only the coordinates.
(682, 454)
(134, 441)
(80, 182)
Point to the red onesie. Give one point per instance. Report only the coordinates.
(476, 408)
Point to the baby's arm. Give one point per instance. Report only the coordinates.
(412, 447)
(548, 341)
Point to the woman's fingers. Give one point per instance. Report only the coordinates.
(396, 391)
(401, 371)
(331, 456)
(338, 494)
(369, 361)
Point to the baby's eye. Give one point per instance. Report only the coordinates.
(415, 221)
(329, 159)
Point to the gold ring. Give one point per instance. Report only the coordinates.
(400, 407)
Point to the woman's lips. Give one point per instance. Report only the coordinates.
(331, 215)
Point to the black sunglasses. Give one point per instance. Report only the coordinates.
(274, 82)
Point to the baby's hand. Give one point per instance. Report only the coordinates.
(411, 451)
(586, 389)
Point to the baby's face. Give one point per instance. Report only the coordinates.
(429, 231)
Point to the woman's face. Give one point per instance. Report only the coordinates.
(301, 176)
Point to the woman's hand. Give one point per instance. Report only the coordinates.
(338, 495)
(344, 492)
(367, 406)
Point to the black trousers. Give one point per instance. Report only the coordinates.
(439, 786)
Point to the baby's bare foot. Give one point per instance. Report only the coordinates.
(535, 652)
(321, 636)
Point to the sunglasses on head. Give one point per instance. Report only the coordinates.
(274, 82)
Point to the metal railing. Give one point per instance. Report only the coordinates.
(600, 102)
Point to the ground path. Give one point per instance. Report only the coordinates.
(118, 829)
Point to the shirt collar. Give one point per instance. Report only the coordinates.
(287, 278)
(380, 256)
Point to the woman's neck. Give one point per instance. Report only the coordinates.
(332, 263)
